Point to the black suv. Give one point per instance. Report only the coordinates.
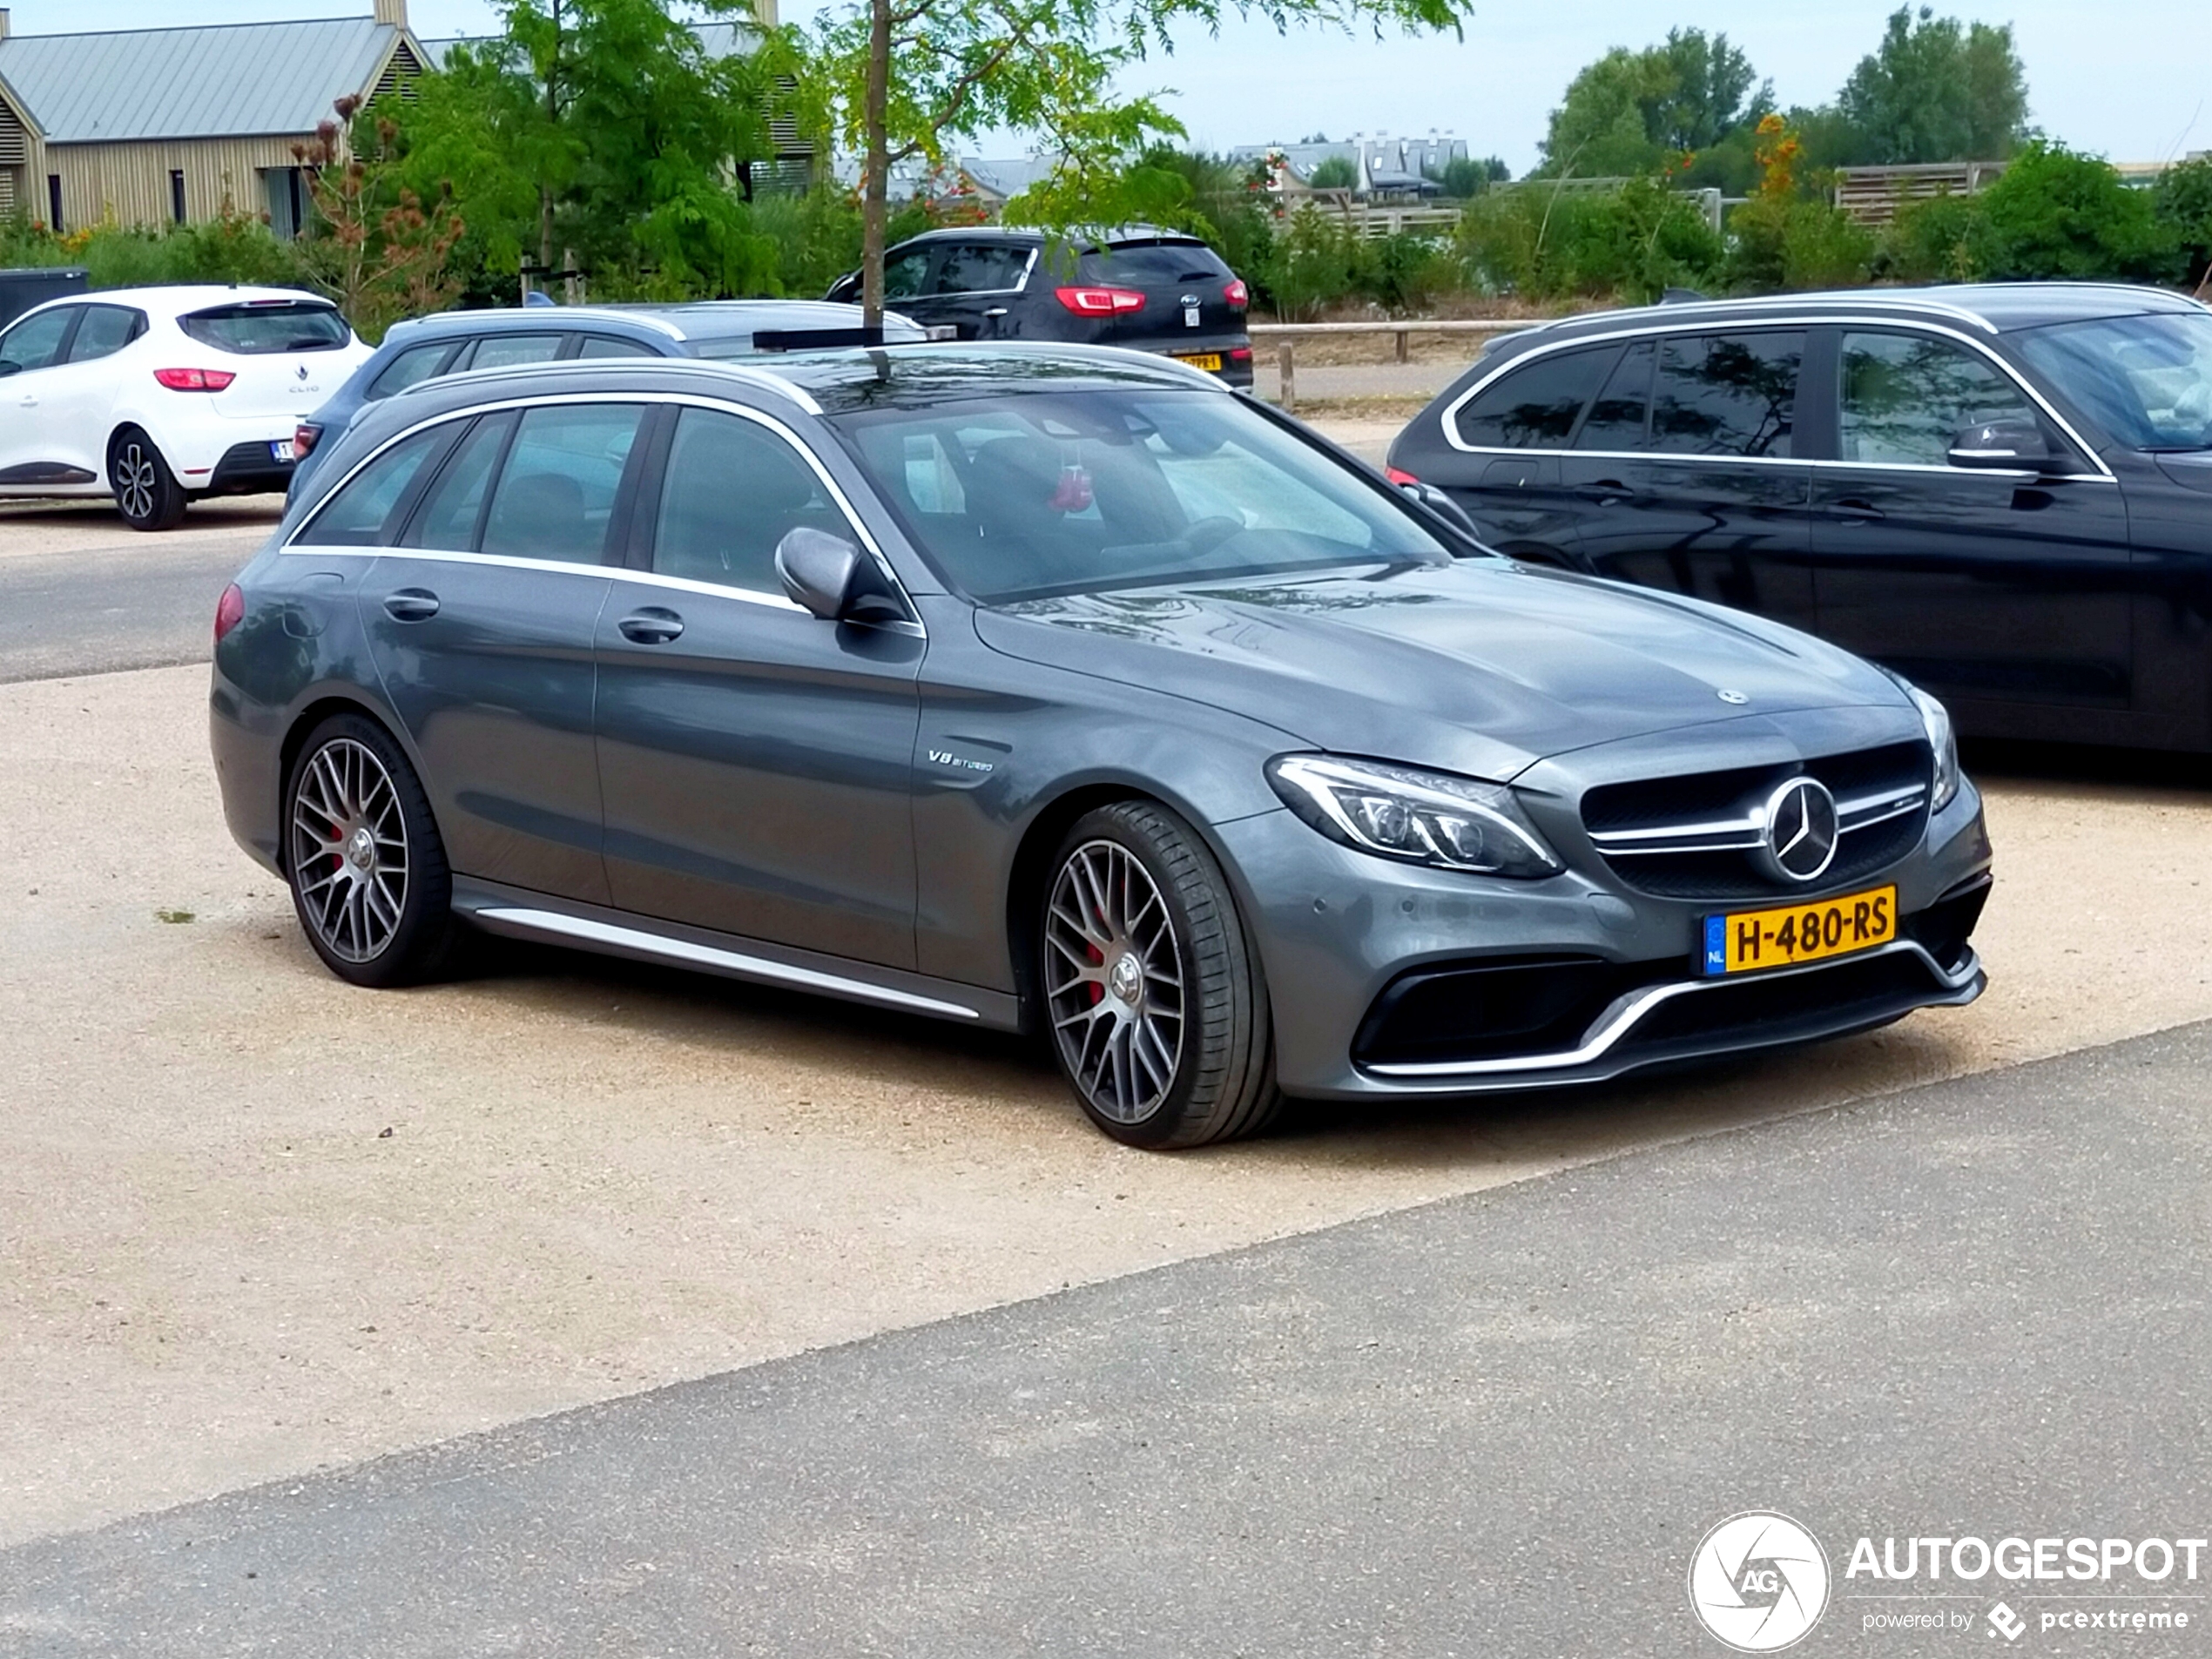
(2002, 492)
(1147, 289)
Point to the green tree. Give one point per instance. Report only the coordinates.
(1464, 177)
(900, 77)
(2185, 207)
(1936, 90)
(1626, 113)
(1334, 173)
(604, 128)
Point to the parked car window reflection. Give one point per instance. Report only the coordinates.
(359, 513)
(105, 330)
(410, 367)
(1617, 420)
(36, 341)
(1905, 397)
(450, 517)
(2146, 380)
(979, 268)
(1727, 394)
(734, 491)
(503, 351)
(1537, 405)
(902, 277)
(555, 495)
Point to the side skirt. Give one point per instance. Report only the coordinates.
(518, 913)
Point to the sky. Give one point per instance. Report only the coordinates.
(2127, 78)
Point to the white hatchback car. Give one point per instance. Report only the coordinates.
(161, 395)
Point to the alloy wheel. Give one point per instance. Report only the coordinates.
(1114, 982)
(134, 483)
(349, 853)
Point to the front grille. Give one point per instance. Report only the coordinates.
(1674, 814)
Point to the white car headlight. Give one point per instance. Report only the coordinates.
(1421, 817)
(1942, 738)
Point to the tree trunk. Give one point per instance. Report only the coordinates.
(875, 185)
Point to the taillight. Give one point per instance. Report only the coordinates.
(1237, 293)
(303, 438)
(1397, 476)
(1100, 302)
(1240, 353)
(195, 380)
(230, 611)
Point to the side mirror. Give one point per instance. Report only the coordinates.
(832, 579)
(8, 368)
(845, 288)
(2005, 445)
(1442, 505)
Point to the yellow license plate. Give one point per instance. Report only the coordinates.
(1747, 941)
(1199, 359)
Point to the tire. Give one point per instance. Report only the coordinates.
(1160, 1056)
(368, 870)
(146, 492)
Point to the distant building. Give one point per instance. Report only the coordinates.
(152, 126)
(1383, 168)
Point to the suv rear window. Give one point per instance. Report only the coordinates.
(257, 329)
(1157, 262)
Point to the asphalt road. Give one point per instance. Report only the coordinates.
(82, 594)
(1498, 1424)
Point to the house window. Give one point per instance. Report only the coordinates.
(177, 195)
(288, 201)
(54, 203)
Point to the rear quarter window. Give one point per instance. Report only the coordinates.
(1535, 407)
(252, 329)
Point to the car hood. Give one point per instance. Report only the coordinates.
(1481, 668)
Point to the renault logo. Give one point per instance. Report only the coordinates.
(1800, 830)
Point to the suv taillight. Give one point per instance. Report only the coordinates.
(303, 438)
(195, 380)
(230, 611)
(1237, 293)
(1399, 475)
(1100, 302)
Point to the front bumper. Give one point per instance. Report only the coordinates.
(1337, 929)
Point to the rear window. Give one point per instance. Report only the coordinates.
(258, 329)
(1155, 262)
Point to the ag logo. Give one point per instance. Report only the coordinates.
(1758, 1581)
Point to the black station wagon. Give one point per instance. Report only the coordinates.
(2003, 493)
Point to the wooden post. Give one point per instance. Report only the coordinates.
(1288, 397)
(1402, 345)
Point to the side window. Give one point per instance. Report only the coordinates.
(610, 346)
(1616, 419)
(734, 489)
(105, 330)
(1906, 397)
(1727, 394)
(503, 351)
(903, 276)
(1535, 407)
(36, 342)
(358, 514)
(557, 493)
(450, 514)
(978, 267)
(411, 367)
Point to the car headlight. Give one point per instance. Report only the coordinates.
(1942, 738)
(1421, 817)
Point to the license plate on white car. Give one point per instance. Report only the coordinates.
(280, 448)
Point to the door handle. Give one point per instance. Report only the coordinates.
(1606, 491)
(995, 311)
(650, 626)
(411, 604)
(1852, 510)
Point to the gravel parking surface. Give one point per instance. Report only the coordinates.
(254, 1222)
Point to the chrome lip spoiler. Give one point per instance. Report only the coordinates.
(1625, 1013)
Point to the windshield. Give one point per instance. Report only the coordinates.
(1080, 492)
(2146, 380)
(262, 326)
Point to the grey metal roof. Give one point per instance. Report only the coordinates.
(219, 81)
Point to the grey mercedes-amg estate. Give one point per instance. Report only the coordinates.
(1063, 689)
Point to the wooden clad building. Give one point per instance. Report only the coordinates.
(152, 126)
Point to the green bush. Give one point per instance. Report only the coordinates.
(1945, 239)
(2184, 202)
(1545, 243)
(1334, 173)
(2058, 214)
(1803, 244)
(231, 249)
(1313, 262)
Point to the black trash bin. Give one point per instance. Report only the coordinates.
(20, 290)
